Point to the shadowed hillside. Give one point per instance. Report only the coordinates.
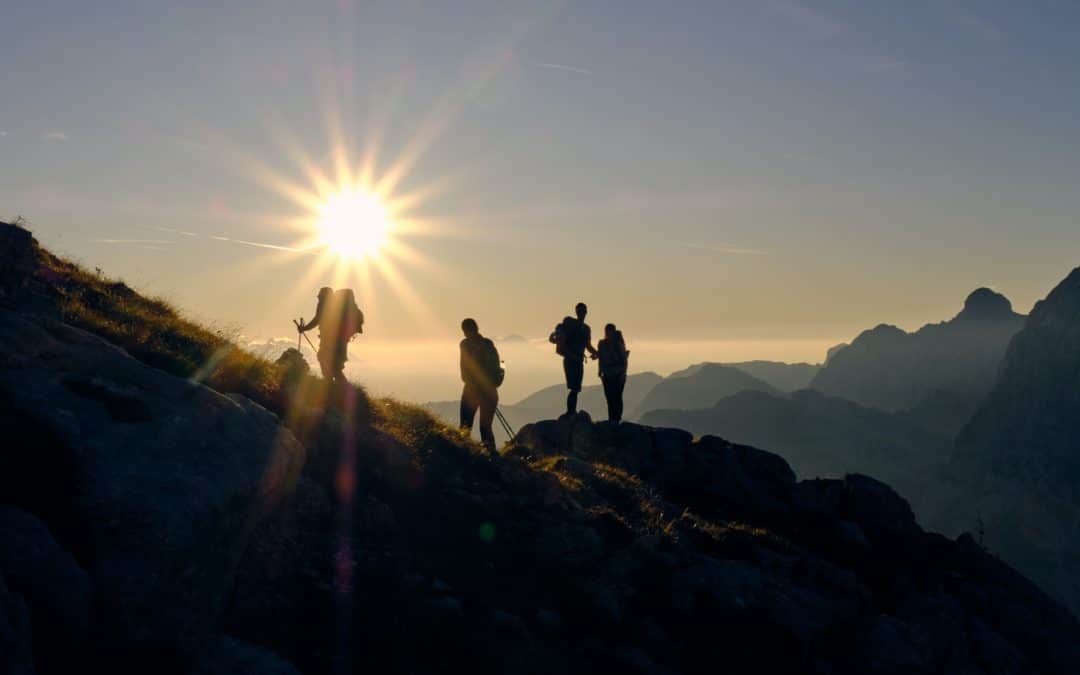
(155, 520)
(1017, 462)
(786, 377)
(701, 388)
(827, 436)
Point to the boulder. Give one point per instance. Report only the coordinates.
(876, 506)
(163, 478)
(16, 640)
(56, 590)
(234, 657)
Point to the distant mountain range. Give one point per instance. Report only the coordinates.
(783, 376)
(703, 387)
(890, 369)
(824, 436)
(1017, 462)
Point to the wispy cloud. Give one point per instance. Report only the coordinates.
(569, 69)
(3, 133)
(175, 231)
(889, 67)
(978, 25)
(726, 249)
(813, 22)
(55, 136)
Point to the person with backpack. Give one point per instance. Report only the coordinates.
(614, 360)
(572, 338)
(339, 319)
(482, 373)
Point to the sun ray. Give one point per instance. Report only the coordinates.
(412, 302)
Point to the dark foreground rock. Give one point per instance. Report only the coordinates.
(594, 547)
(152, 482)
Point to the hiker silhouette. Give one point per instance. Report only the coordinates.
(572, 338)
(614, 360)
(338, 319)
(482, 373)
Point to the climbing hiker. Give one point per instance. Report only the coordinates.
(614, 359)
(572, 338)
(482, 373)
(339, 319)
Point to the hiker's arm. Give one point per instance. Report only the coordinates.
(588, 346)
(463, 364)
(314, 322)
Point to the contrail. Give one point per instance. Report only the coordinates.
(275, 247)
(169, 229)
(132, 241)
(569, 69)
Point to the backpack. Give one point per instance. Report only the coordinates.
(492, 365)
(614, 356)
(352, 319)
(565, 336)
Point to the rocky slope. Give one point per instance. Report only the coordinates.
(893, 370)
(1017, 462)
(152, 523)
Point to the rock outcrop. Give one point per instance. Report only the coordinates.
(153, 483)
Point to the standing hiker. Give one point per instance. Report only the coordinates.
(482, 373)
(338, 319)
(614, 360)
(572, 338)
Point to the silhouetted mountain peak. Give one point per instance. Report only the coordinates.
(882, 334)
(985, 304)
(1065, 294)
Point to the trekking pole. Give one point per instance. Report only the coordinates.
(505, 425)
(306, 338)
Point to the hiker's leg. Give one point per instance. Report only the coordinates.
(574, 369)
(610, 396)
(341, 355)
(468, 408)
(326, 362)
(617, 398)
(487, 416)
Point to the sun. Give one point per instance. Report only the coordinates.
(354, 224)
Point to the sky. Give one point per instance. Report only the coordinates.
(730, 177)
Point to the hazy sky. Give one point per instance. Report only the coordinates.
(758, 169)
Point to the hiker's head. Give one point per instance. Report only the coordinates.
(325, 292)
(469, 327)
(581, 310)
(609, 331)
